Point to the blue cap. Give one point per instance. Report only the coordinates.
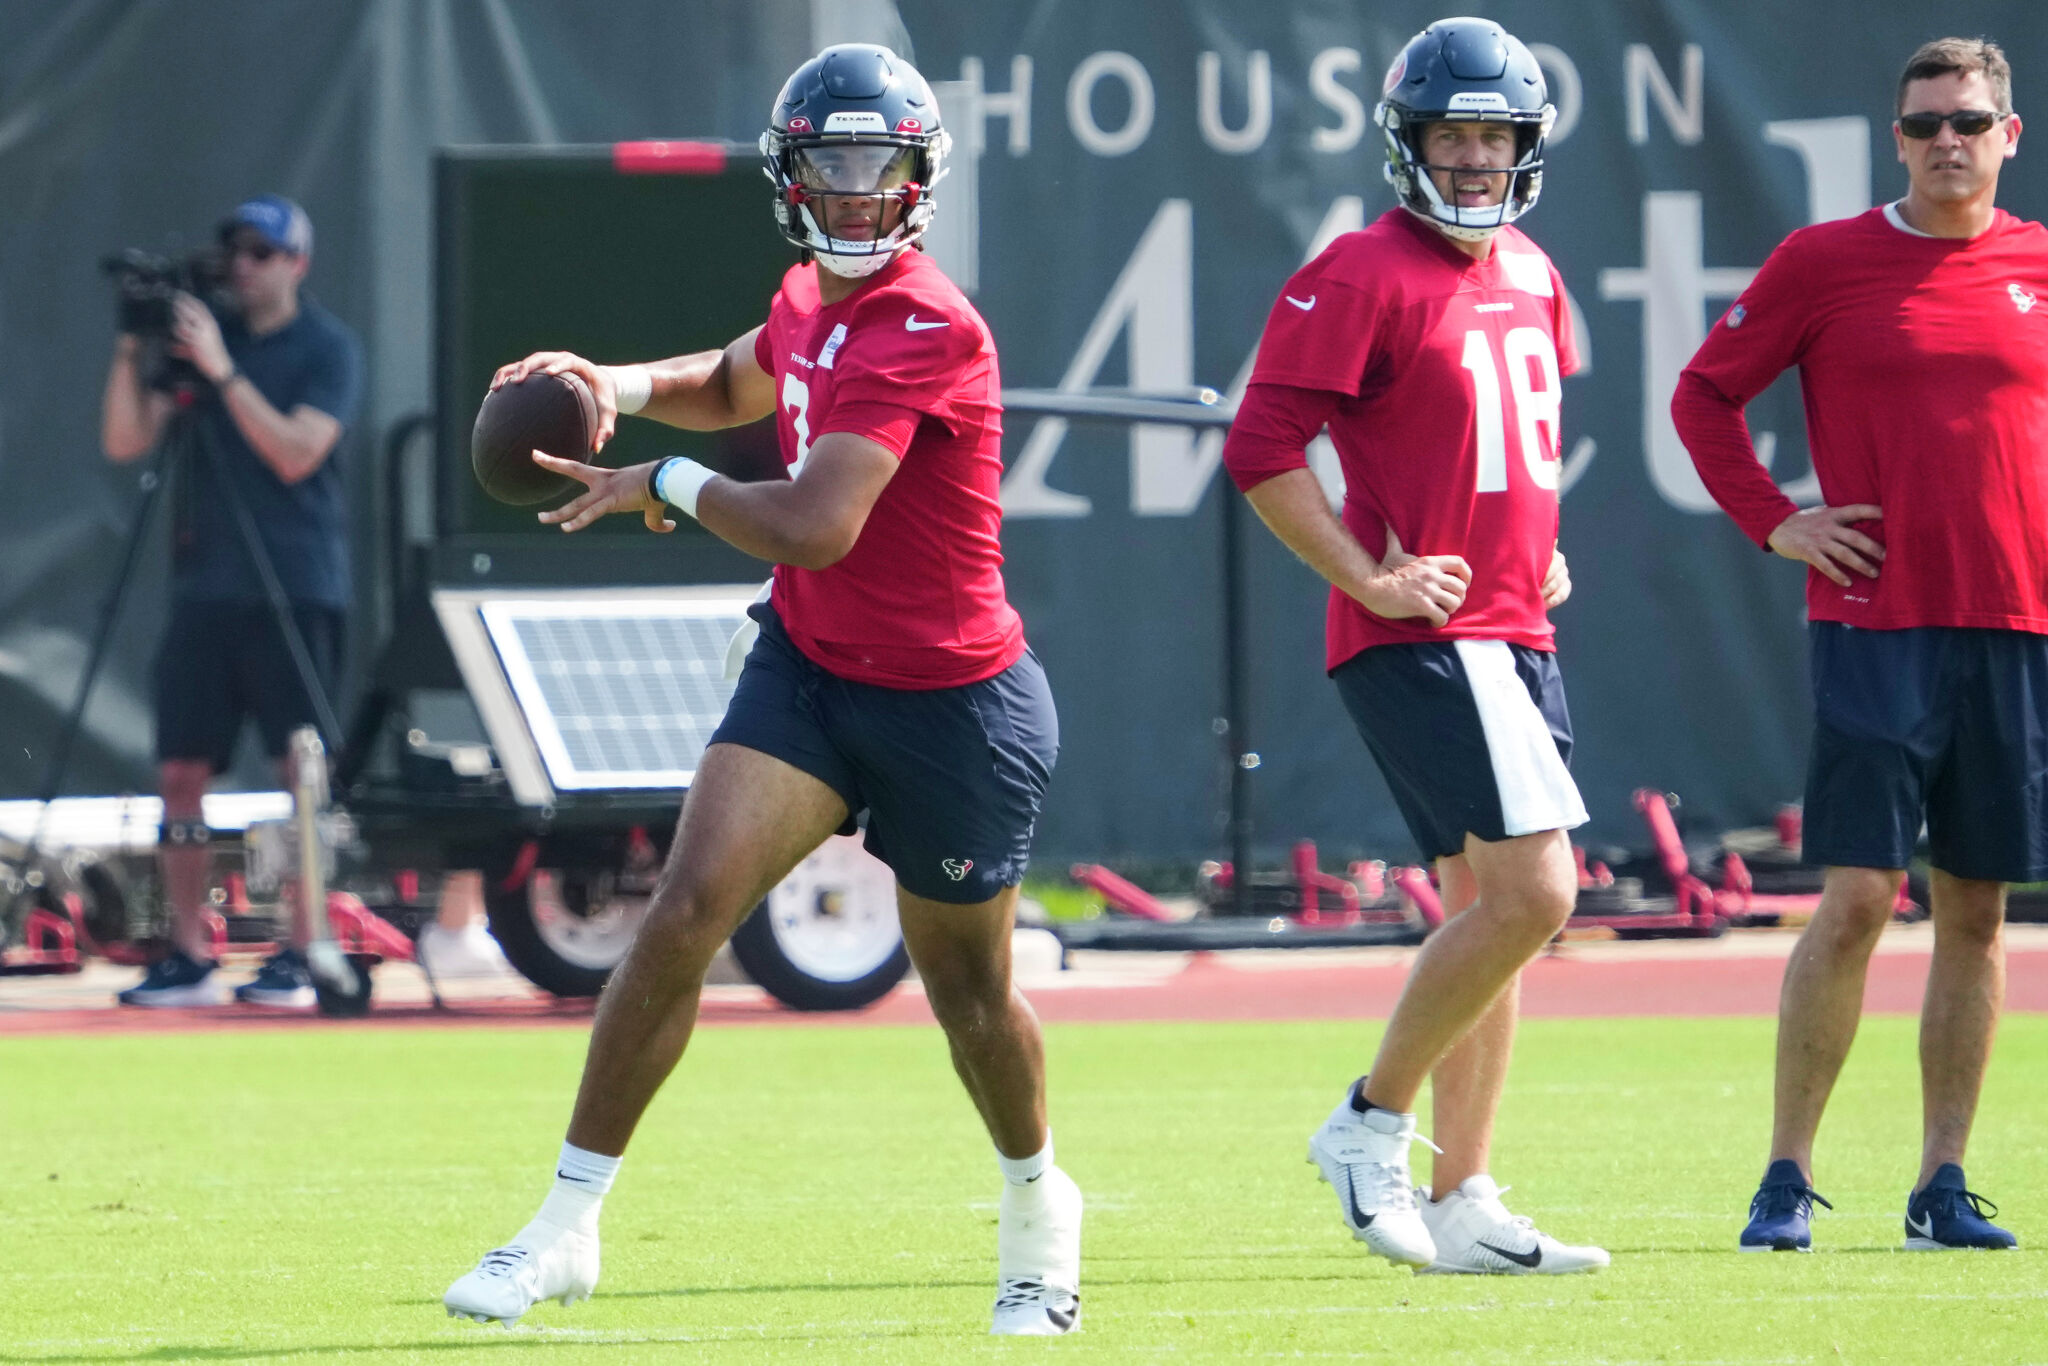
(277, 220)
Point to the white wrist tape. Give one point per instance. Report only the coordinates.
(679, 481)
(633, 385)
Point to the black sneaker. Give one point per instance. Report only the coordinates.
(1943, 1215)
(1781, 1214)
(283, 980)
(177, 980)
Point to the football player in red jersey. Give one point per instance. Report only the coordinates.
(890, 673)
(1432, 344)
(1923, 361)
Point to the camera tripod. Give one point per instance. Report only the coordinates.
(183, 443)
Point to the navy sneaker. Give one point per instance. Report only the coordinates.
(1943, 1215)
(283, 980)
(177, 980)
(1780, 1216)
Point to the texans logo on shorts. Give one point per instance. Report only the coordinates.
(956, 868)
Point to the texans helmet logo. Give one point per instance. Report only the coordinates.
(799, 124)
(957, 868)
(1395, 73)
(2020, 298)
(910, 125)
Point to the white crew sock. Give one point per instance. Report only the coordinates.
(1022, 1171)
(582, 1178)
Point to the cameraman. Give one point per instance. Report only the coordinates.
(269, 392)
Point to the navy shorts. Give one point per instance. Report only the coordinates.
(1943, 724)
(951, 778)
(222, 663)
(1472, 736)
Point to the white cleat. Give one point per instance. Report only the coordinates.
(1364, 1157)
(542, 1262)
(1038, 1258)
(1476, 1236)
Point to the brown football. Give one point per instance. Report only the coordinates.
(551, 413)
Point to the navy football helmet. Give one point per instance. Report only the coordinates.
(1464, 69)
(855, 121)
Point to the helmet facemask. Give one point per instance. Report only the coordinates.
(854, 201)
(1408, 168)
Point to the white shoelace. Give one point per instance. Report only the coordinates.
(1392, 1187)
(1519, 1222)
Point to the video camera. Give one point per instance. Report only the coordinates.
(146, 284)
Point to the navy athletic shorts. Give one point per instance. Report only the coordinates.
(1472, 736)
(221, 663)
(951, 778)
(1946, 724)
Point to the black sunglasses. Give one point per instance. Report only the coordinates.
(1967, 122)
(259, 252)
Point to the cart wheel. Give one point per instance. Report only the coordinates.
(106, 903)
(348, 997)
(566, 929)
(827, 936)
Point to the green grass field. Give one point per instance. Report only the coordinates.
(823, 1194)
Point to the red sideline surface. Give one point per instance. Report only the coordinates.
(1210, 987)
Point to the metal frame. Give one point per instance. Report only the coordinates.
(1200, 408)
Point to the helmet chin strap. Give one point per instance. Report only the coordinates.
(1456, 226)
(854, 267)
(1455, 230)
(851, 265)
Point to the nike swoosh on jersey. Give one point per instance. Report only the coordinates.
(1303, 304)
(1532, 1259)
(911, 324)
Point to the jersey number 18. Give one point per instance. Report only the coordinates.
(1535, 405)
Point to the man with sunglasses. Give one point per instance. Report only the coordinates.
(1920, 330)
(283, 379)
(890, 673)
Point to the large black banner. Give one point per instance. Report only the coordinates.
(1132, 184)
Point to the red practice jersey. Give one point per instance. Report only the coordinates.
(1439, 378)
(904, 361)
(1924, 366)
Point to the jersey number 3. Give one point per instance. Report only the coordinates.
(1535, 405)
(796, 396)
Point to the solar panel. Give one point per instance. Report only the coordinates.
(618, 694)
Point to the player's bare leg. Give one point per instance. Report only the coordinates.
(1466, 1086)
(749, 818)
(962, 955)
(1526, 885)
(1965, 991)
(1821, 1003)
(1469, 1224)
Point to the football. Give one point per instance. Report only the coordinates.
(551, 413)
